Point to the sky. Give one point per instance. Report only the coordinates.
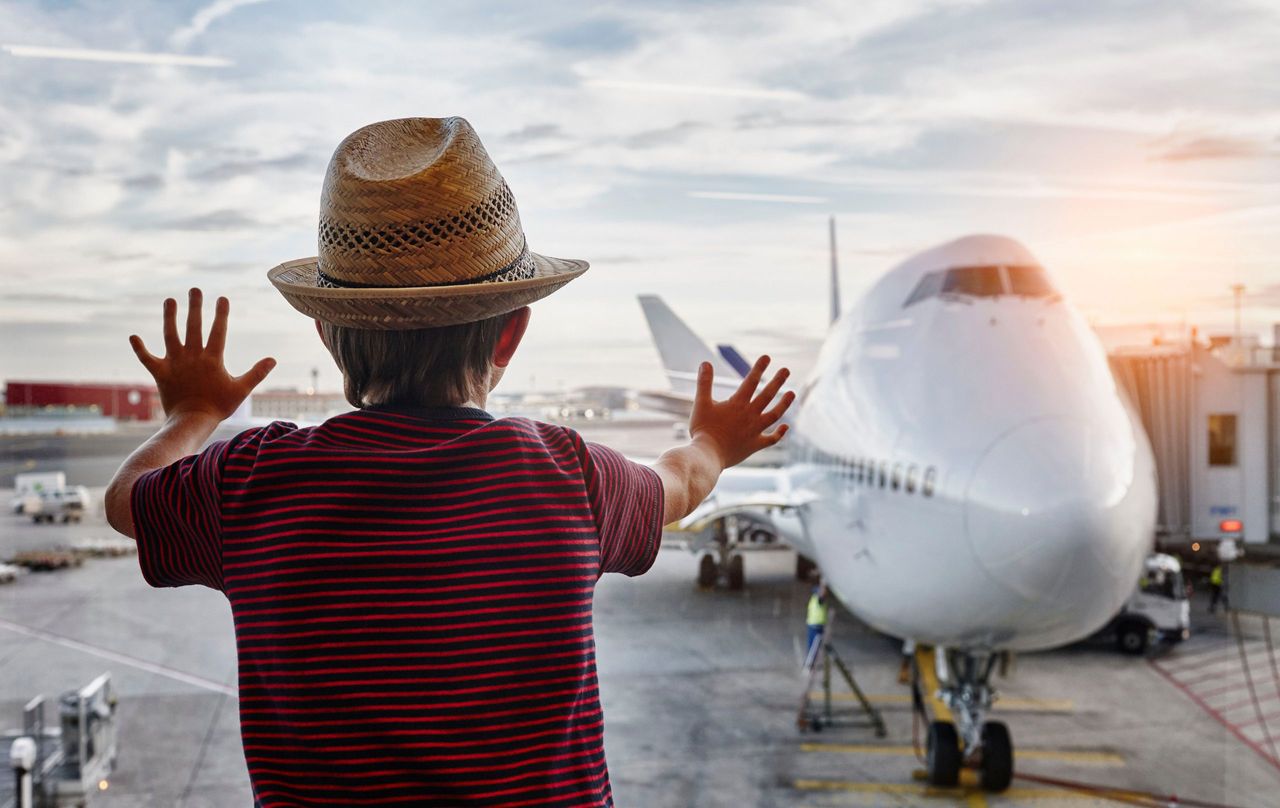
(688, 149)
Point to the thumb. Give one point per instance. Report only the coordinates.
(257, 373)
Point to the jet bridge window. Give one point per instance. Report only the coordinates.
(1222, 440)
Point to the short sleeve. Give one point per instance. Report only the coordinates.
(178, 522)
(627, 502)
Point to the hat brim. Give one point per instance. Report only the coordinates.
(405, 307)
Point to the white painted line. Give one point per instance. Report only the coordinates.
(123, 659)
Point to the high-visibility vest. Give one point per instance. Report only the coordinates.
(817, 612)
(1215, 577)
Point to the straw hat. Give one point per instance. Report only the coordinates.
(417, 229)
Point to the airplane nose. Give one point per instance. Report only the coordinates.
(1054, 511)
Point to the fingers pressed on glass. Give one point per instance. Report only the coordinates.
(218, 331)
(771, 389)
(140, 350)
(171, 343)
(195, 327)
(748, 387)
(776, 411)
(257, 373)
(705, 375)
(775, 435)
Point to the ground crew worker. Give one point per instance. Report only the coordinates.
(816, 621)
(1215, 589)
(411, 582)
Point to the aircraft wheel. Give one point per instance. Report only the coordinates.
(708, 571)
(804, 568)
(737, 573)
(943, 755)
(997, 756)
(1131, 638)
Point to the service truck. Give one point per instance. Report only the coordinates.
(1158, 608)
(28, 487)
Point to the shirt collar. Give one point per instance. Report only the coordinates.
(445, 413)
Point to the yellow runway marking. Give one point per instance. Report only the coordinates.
(1003, 704)
(1080, 756)
(971, 797)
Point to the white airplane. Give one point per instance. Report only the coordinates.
(962, 468)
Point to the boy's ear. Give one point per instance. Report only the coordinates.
(512, 332)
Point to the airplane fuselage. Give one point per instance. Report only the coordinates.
(981, 482)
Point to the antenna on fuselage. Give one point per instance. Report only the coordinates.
(835, 274)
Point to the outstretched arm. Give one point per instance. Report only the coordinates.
(196, 392)
(723, 434)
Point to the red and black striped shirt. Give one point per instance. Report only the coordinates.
(411, 591)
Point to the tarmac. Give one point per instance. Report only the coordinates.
(700, 687)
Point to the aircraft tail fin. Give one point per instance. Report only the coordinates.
(736, 361)
(682, 350)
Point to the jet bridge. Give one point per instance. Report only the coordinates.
(1212, 414)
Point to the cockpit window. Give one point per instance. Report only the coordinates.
(975, 281)
(988, 281)
(1029, 282)
(928, 286)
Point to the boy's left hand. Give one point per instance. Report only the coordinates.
(191, 377)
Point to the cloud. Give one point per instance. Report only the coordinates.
(205, 17)
(1114, 141)
(217, 220)
(1209, 147)
(252, 167)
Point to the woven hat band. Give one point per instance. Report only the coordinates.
(469, 245)
(521, 268)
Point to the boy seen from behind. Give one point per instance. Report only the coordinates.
(411, 582)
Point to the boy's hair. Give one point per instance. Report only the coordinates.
(427, 367)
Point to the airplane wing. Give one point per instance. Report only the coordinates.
(749, 509)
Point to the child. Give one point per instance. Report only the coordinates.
(411, 582)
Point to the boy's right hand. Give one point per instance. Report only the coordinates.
(736, 427)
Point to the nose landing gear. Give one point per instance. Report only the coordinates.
(958, 684)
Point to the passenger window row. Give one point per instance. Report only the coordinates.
(899, 476)
(992, 281)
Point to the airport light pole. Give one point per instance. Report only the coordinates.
(1237, 289)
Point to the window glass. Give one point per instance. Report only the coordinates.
(913, 475)
(975, 281)
(897, 476)
(930, 478)
(1029, 282)
(1159, 583)
(857, 470)
(1222, 439)
(929, 285)
(884, 472)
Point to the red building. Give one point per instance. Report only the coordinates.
(124, 402)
